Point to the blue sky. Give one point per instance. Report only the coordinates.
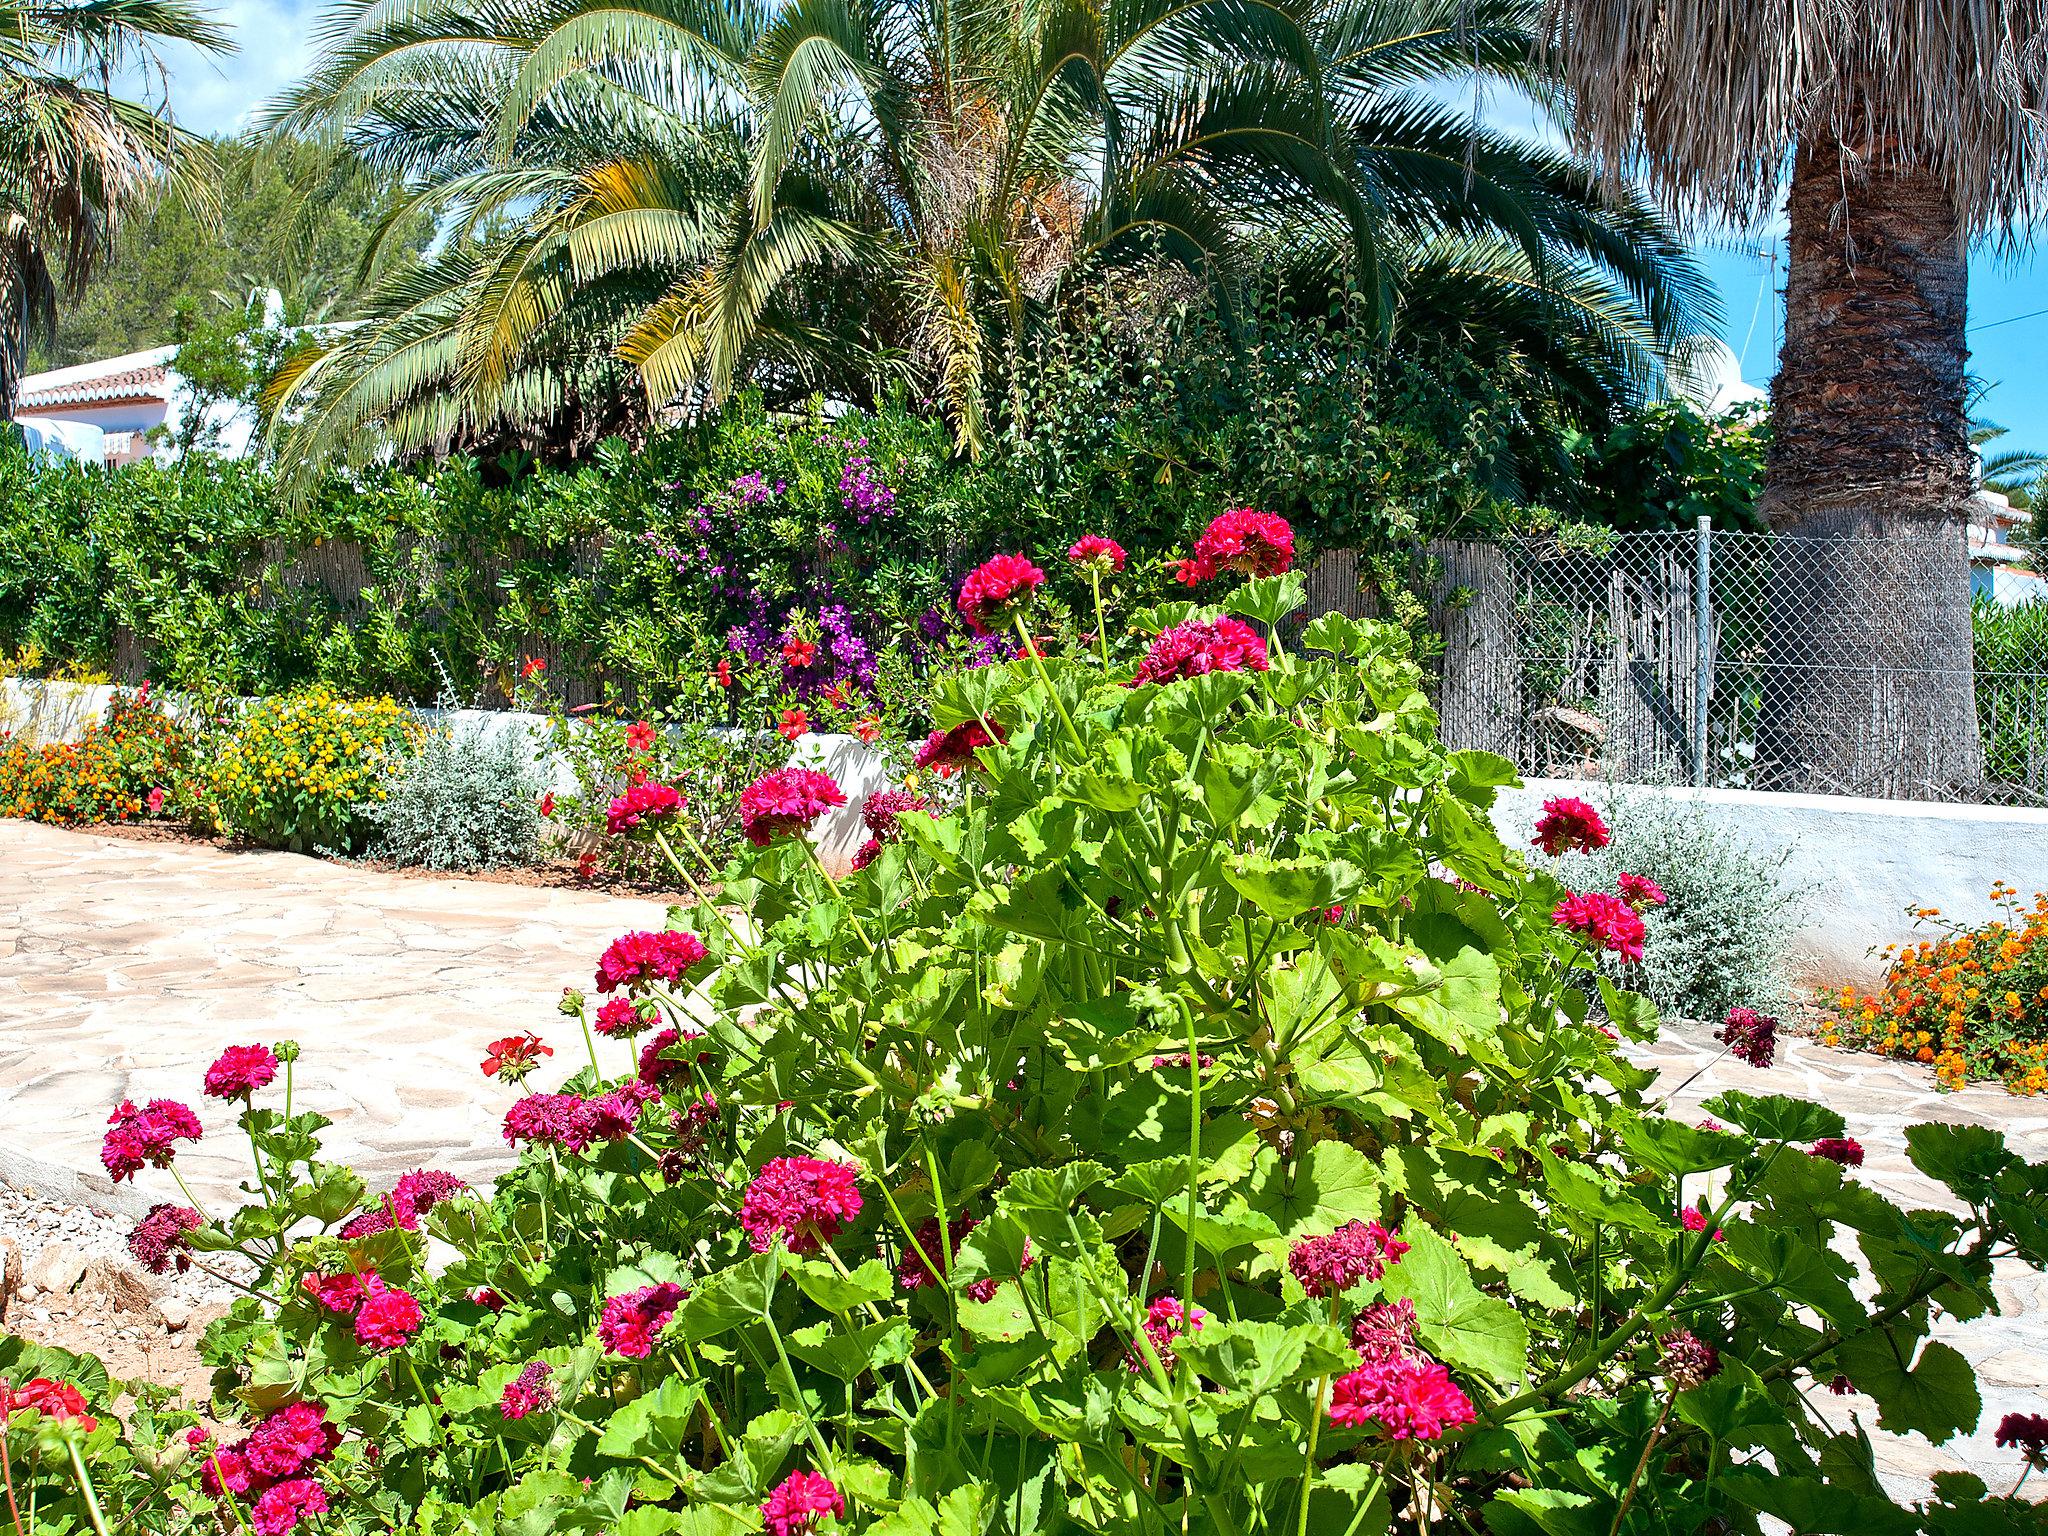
(221, 95)
(2010, 359)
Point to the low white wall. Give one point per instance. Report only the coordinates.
(1867, 861)
(42, 711)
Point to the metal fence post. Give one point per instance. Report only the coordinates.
(1703, 631)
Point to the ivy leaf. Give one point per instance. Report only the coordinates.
(1776, 1116)
(1937, 1397)
(1461, 1324)
(1334, 1184)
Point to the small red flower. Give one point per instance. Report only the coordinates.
(52, 1399)
(156, 802)
(586, 866)
(388, 1317)
(644, 804)
(948, 752)
(1331, 1265)
(632, 1323)
(1750, 1036)
(722, 673)
(149, 1135)
(514, 1056)
(1242, 539)
(1641, 892)
(532, 667)
(547, 803)
(868, 729)
(1166, 1319)
(341, 1293)
(1693, 1219)
(798, 654)
(640, 736)
(159, 1239)
(530, 1393)
(794, 723)
(1846, 1150)
(240, 1071)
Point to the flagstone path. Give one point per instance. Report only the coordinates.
(125, 967)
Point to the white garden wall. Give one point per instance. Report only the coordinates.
(1866, 860)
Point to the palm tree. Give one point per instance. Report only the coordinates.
(1899, 132)
(73, 156)
(840, 193)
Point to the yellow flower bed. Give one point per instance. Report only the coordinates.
(294, 771)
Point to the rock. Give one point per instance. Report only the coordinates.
(57, 1269)
(118, 1285)
(175, 1312)
(10, 1274)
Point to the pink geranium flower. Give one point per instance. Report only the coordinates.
(1332, 1264)
(290, 1439)
(531, 1392)
(1166, 1319)
(1407, 1397)
(636, 960)
(1641, 892)
(1241, 539)
(239, 1071)
(388, 1317)
(1195, 649)
(786, 802)
(997, 589)
(1846, 1150)
(282, 1506)
(632, 1322)
(1694, 1219)
(803, 1202)
(1604, 921)
(1569, 825)
(948, 751)
(159, 1238)
(145, 1137)
(341, 1293)
(623, 1018)
(799, 1502)
(642, 805)
(1750, 1036)
(1092, 551)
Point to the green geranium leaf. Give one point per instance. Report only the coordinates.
(654, 1424)
(835, 1292)
(1937, 1397)
(1964, 1157)
(1776, 1117)
(1334, 1184)
(1461, 1325)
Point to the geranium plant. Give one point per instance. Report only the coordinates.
(1194, 1130)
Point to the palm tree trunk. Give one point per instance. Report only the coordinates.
(1869, 685)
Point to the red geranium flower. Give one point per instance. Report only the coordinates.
(1241, 539)
(149, 1135)
(1641, 892)
(635, 960)
(388, 1317)
(1605, 921)
(1407, 1397)
(160, 1238)
(1093, 551)
(240, 1071)
(1750, 1036)
(514, 1056)
(803, 1201)
(643, 804)
(996, 589)
(1195, 649)
(1331, 1265)
(1846, 1150)
(632, 1323)
(949, 751)
(798, 1501)
(52, 1399)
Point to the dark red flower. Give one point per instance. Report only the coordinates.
(632, 1323)
(1607, 922)
(1241, 539)
(532, 1391)
(1687, 1359)
(159, 1238)
(948, 751)
(1570, 826)
(1846, 1150)
(240, 1071)
(803, 1202)
(1094, 551)
(1750, 1036)
(1332, 1264)
(1195, 649)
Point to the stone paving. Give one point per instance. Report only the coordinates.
(125, 967)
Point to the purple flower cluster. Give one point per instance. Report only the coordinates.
(861, 493)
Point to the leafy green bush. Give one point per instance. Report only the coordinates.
(2011, 645)
(1195, 1131)
(462, 797)
(295, 771)
(1720, 941)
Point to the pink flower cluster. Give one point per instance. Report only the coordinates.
(635, 960)
(1384, 1330)
(145, 1137)
(947, 752)
(239, 1071)
(1641, 892)
(1166, 1319)
(996, 589)
(411, 1197)
(622, 1018)
(1687, 1359)
(1693, 1219)
(913, 1273)
(1846, 1150)
(642, 805)
(1194, 649)
(531, 1392)
(632, 1323)
(1569, 826)
(1750, 1036)
(1332, 1264)
(1408, 1396)
(798, 1502)
(159, 1238)
(272, 1467)
(786, 802)
(1604, 921)
(1093, 551)
(882, 815)
(802, 1201)
(657, 1066)
(1241, 539)
(572, 1123)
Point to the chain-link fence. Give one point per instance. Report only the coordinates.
(1852, 666)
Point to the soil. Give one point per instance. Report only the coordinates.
(555, 874)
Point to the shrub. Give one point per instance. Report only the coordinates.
(1720, 941)
(1973, 1003)
(131, 764)
(293, 772)
(1192, 1132)
(461, 797)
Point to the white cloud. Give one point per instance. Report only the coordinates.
(220, 93)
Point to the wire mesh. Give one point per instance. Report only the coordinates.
(1884, 667)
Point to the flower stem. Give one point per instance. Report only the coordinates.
(1101, 628)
